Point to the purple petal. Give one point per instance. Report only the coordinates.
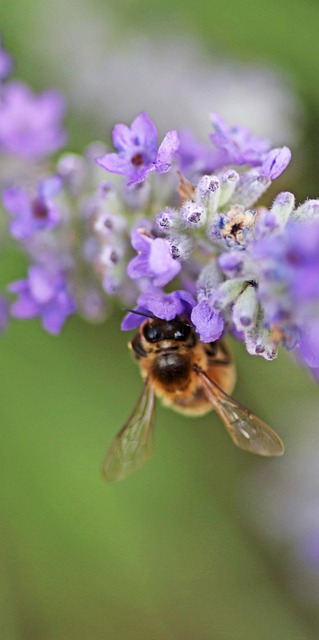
(162, 305)
(42, 287)
(140, 175)
(161, 263)
(166, 151)
(141, 241)
(309, 345)
(122, 138)
(113, 162)
(276, 162)
(56, 312)
(187, 301)
(133, 320)
(24, 308)
(15, 200)
(145, 132)
(138, 267)
(208, 324)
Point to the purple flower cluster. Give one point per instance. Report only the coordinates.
(289, 287)
(178, 231)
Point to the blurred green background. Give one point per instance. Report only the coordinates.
(172, 552)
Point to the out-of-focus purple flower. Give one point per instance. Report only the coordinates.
(30, 124)
(161, 305)
(154, 259)
(6, 63)
(43, 294)
(196, 158)
(275, 162)
(238, 144)
(138, 153)
(32, 214)
(4, 313)
(289, 285)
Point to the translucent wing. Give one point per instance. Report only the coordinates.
(247, 431)
(133, 445)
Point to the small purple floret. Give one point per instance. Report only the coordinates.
(43, 294)
(32, 214)
(165, 306)
(275, 162)
(30, 124)
(138, 153)
(154, 259)
(239, 145)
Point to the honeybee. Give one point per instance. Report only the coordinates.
(193, 378)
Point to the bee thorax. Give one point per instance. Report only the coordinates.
(172, 369)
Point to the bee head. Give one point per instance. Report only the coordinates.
(157, 330)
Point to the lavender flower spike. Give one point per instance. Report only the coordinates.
(137, 150)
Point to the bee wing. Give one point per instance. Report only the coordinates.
(246, 430)
(133, 445)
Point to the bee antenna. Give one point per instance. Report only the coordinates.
(151, 315)
(141, 313)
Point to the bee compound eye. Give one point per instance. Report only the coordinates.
(151, 333)
(182, 332)
(137, 347)
(211, 348)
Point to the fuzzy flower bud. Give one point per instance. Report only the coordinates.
(245, 308)
(228, 183)
(208, 193)
(226, 293)
(167, 219)
(193, 215)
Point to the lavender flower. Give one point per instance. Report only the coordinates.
(32, 214)
(232, 266)
(30, 125)
(209, 324)
(289, 287)
(154, 259)
(162, 305)
(138, 151)
(237, 144)
(43, 294)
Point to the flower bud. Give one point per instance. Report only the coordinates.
(228, 181)
(193, 215)
(208, 193)
(245, 309)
